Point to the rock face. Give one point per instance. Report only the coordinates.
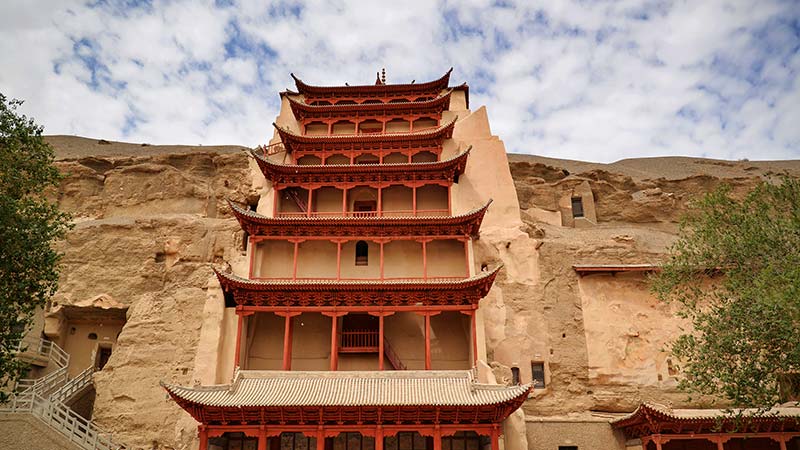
(151, 220)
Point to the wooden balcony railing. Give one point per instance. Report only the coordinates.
(358, 341)
(398, 213)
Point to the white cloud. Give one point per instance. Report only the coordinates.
(570, 79)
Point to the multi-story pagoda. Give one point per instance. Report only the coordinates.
(355, 322)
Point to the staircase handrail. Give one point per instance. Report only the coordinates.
(58, 416)
(45, 348)
(392, 356)
(73, 386)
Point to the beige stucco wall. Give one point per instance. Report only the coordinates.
(586, 434)
(627, 330)
(81, 349)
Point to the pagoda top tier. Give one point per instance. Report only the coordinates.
(379, 91)
(429, 138)
(303, 110)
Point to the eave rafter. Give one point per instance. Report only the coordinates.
(431, 138)
(434, 107)
(372, 90)
(287, 175)
(463, 293)
(467, 225)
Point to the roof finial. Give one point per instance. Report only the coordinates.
(383, 75)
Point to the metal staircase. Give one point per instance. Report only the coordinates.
(45, 398)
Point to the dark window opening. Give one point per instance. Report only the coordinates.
(244, 241)
(405, 440)
(365, 207)
(362, 253)
(577, 207)
(515, 376)
(537, 373)
(93, 336)
(567, 447)
(464, 440)
(102, 357)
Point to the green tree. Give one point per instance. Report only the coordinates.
(735, 274)
(29, 226)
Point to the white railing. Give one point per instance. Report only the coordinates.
(64, 420)
(73, 386)
(43, 349)
(44, 398)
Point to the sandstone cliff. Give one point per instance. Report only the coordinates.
(151, 219)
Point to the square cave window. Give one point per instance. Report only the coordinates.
(537, 372)
(577, 207)
(567, 447)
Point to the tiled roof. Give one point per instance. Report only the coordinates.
(445, 131)
(404, 167)
(302, 109)
(387, 388)
(664, 413)
(374, 89)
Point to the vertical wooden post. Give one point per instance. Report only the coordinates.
(380, 356)
(251, 247)
(330, 128)
(202, 434)
(379, 435)
(424, 260)
(294, 260)
(262, 438)
(339, 260)
(437, 438)
(381, 267)
(237, 350)
(344, 202)
(287, 342)
(427, 342)
(334, 345)
(782, 442)
(320, 438)
(380, 201)
(495, 437)
(466, 258)
(414, 201)
(473, 325)
(308, 206)
(449, 200)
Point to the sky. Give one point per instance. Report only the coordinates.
(575, 79)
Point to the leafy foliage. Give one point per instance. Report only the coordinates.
(735, 274)
(29, 226)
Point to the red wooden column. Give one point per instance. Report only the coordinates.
(380, 201)
(308, 206)
(294, 259)
(466, 257)
(424, 259)
(344, 201)
(334, 338)
(262, 437)
(202, 434)
(338, 260)
(427, 342)
(379, 431)
(287, 337)
(495, 437)
(414, 201)
(782, 442)
(381, 242)
(320, 438)
(381, 349)
(437, 438)
(251, 247)
(237, 350)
